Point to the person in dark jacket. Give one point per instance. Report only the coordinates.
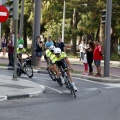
(89, 52)
(38, 51)
(60, 44)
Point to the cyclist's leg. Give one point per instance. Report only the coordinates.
(65, 67)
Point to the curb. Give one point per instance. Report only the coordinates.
(28, 95)
(97, 79)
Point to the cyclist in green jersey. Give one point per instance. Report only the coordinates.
(61, 59)
(21, 50)
(49, 52)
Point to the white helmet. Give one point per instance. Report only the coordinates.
(52, 48)
(20, 46)
(57, 51)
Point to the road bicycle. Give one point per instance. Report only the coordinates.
(54, 77)
(67, 81)
(25, 68)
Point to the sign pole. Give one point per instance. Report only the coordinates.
(63, 22)
(15, 17)
(107, 38)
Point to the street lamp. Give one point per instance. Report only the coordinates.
(63, 24)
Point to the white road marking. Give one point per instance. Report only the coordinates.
(3, 14)
(110, 85)
(53, 89)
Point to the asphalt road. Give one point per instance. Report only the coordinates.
(95, 101)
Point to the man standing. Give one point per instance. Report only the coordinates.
(49, 43)
(60, 44)
(20, 40)
(97, 56)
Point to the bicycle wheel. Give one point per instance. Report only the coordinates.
(29, 71)
(69, 86)
(52, 75)
(59, 81)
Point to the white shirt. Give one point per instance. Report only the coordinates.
(81, 46)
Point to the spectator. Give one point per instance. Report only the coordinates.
(60, 44)
(3, 45)
(81, 47)
(20, 40)
(89, 52)
(85, 64)
(49, 43)
(38, 51)
(10, 53)
(97, 56)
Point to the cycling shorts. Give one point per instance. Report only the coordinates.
(62, 63)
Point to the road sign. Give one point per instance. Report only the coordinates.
(3, 13)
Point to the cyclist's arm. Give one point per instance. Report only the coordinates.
(55, 69)
(27, 54)
(68, 62)
(19, 57)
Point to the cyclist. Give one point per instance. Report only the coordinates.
(47, 55)
(21, 50)
(61, 59)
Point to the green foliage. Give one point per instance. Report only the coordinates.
(115, 57)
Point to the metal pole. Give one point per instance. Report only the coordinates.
(107, 38)
(63, 24)
(21, 19)
(36, 28)
(15, 17)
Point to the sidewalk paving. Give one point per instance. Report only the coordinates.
(20, 88)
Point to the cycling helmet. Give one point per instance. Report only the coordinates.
(52, 48)
(57, 51)
(20, 46)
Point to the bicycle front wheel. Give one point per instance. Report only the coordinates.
(29, 71)
(69, 86)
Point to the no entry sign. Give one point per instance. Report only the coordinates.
(3, 13)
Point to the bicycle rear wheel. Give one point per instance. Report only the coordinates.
(29, 71)
(52, 75)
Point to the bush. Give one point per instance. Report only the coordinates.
(115, 57)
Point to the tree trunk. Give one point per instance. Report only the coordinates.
(75, 22)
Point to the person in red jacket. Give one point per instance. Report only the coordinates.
(97, 56)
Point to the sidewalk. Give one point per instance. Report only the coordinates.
(76, 61)
(20, 88)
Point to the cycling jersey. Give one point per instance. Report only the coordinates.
(48, 53)
(20, 51)
(54, 59)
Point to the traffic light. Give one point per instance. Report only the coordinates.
(103, 16)
(11, 9)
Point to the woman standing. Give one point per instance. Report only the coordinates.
(38, 51)
(3, 45)
(89, 52)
